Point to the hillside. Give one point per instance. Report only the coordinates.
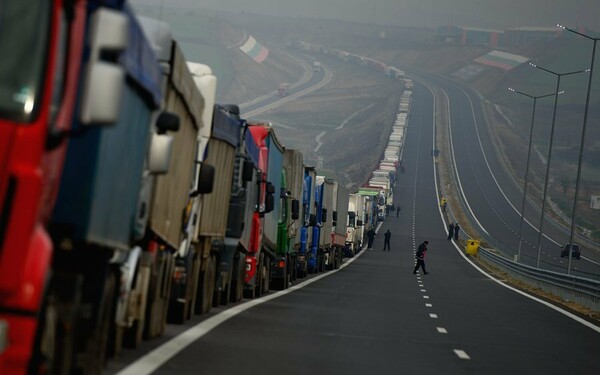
(302, 121)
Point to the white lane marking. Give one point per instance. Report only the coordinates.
(490, 168)
(461, 354)
(442, 330)
(553, 307)
(428, 305)
(455, 167)
(159, 356)
(423, 290)
(433, 316)
(425, 297)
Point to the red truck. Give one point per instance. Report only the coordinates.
(40, 75)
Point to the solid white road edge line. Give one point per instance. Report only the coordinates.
(536, 299)
(159, 356)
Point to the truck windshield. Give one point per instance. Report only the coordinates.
(24, 33)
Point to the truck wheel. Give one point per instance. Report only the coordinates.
(66, 296)
(194, 307)
(237, 287)
(292, 272)
(95, 355)
(208, 284)
(258, 284)
(338, 258)
(45, 347)
(132, 337)
(224, 297)
(267, 274)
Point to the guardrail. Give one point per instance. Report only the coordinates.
(583, 291)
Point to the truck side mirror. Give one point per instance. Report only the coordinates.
(206, 180)
(167, 121)
(269, 203)
(295, 209)
(270, 198)
(104, 80)
(359, 223)
(334, 216)
(312, 220)
(161, 144)
(323, 215)
(160, 151)
(247, 171)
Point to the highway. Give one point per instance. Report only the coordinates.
(374, 316)
(493, 195)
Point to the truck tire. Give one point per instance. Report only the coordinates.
(67, 295)
(208, 284)
(132, 337)
(95, 354)
(267, 274)
(45, 347)
(224, 300)
(237, 285)
(195, 280)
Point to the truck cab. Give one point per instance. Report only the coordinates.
(41, 73)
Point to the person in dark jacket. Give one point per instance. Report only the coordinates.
(386, 240)
(456, 229)
(398, 210)
(450, 231)
(370, 237)
(420, 255)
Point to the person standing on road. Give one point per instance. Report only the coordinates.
(456, 229)
(450, 231)
(370, 237)
(398, 210)
(386, 240)
(420, 255)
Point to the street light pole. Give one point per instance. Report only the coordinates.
(535, 98)
(558, 77)
(579, 163)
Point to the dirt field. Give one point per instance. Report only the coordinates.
(418, 49)
(313, 119)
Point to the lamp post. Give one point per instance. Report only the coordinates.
(535, 98)
(558, 77)
(579, 163)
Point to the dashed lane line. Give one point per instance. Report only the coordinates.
(461, 354)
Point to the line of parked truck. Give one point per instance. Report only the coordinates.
(129, 199)
(381, 183)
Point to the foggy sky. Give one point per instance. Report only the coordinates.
(493, 14)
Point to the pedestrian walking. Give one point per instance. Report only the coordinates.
(450, 231)
(420, 255)
(370, 237)
(398, 210)
(443, 203)
(386, 240)
(456, 229)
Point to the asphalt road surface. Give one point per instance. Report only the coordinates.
(374, 316)
(495, 198)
